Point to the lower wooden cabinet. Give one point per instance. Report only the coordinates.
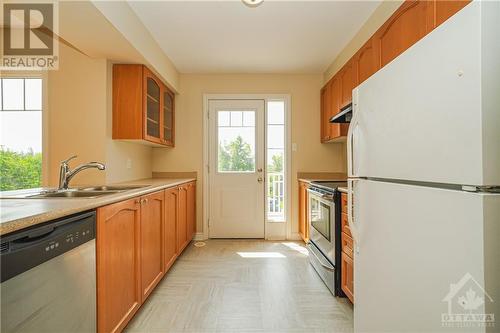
(138, 240)
(191, 210)
(303, 217)
(152, 223)
(118, 264)
(347, 276)
(170, 227)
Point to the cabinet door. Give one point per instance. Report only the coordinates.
(152, 105)
(191, 210)
(412, 21)
(347, 276)
(348, 81)
(170, 226)
(152, 216)
(444, 9)
(168, 117)
(182, 238)
(118, 265)
(336, 130)
(325, 112)
(303, 222)
(367, 61)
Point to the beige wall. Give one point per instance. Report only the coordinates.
(79, 122)
(375, 21)
(311, 155)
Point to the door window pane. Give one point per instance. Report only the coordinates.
(236, 141)
(20, 133)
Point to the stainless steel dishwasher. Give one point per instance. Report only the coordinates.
(48, 277)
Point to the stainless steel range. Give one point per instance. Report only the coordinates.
(324, 232)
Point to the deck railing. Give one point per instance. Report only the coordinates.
(276, 195)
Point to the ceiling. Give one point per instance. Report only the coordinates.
(276, 37)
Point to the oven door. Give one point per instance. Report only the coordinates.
(322, 223)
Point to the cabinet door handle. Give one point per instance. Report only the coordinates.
(137, 201)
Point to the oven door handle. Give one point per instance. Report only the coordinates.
(326, 266)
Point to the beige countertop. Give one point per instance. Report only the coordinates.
(321, 176)
(17, 214)
(342, 189)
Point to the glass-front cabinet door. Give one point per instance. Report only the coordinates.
(153, 123)
(168, 118)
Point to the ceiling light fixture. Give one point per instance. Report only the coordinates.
(252, 3)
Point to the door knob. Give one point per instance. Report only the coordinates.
(260, 179)
(259, 169)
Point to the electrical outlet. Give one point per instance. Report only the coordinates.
(294, 146)
(129, 163)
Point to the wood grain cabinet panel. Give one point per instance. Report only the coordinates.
(118, 265)
(326, 105)
(347, 276)
(348, 81)
(182, 236)
(143, 106)
(152, 224)
(191, 210)
(444, 9)
(170, 227)
(367, 60)
(303, 217)
(412, 21)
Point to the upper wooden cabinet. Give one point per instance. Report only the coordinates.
(143, 106)
(444, 9)
(412, 20)
(367, 60)
(348, 81)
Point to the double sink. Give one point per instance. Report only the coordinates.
(81, 192)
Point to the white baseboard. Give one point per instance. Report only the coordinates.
(295, 236)
(199, 236)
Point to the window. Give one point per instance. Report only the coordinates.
(21, 133)
(236, 141)
(275, 161)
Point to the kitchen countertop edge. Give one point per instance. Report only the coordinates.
(74, 206)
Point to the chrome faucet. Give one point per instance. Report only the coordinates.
(65, 174)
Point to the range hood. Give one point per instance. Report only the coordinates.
(344, 116)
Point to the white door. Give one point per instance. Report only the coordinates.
(236, 161)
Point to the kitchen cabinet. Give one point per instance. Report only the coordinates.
(303, 216)
(444, 9)
(191, 210)
(170, 227)
(367, 60)
(347, 276)
(348, 81)
(143, 106)
(326, 106)
(118, 264)
(412, 20)
(152, 224)
(138, 240)
(182, 229)
(347, 258)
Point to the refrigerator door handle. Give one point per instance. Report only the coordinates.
(350, 211)
(350, 134)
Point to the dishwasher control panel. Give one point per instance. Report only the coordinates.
(29, 248)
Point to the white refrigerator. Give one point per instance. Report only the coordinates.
(424, 174)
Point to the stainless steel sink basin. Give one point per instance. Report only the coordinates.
(111, 188)
(72, 194)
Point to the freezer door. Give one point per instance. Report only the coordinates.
(415, 242)
(426, 119)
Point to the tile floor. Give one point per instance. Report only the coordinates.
(243, 286)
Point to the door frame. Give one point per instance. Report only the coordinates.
(272, 230)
